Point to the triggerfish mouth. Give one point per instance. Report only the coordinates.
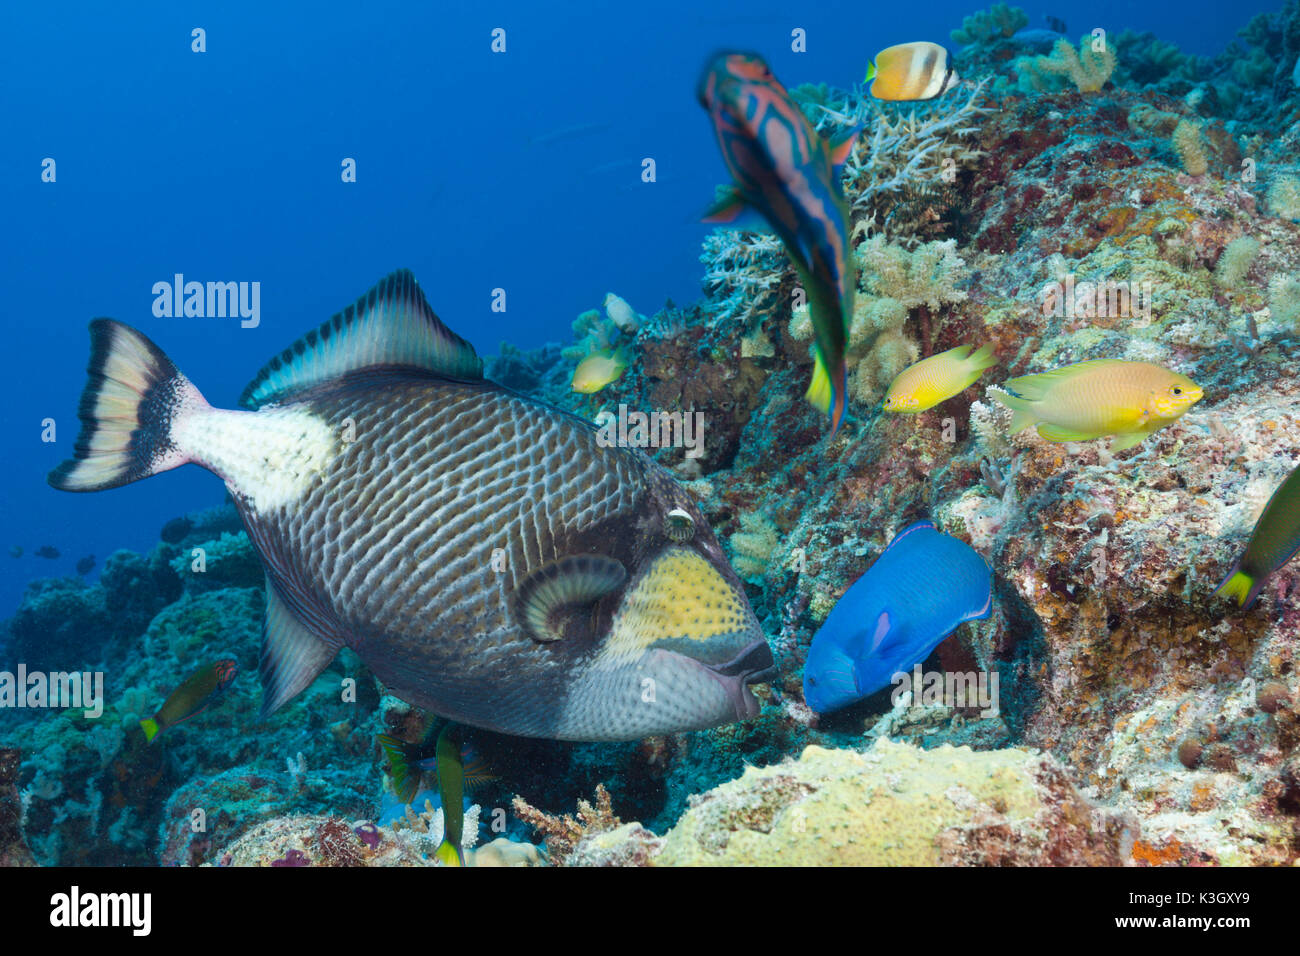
(788, 173)
(482, 552)
(919, 590)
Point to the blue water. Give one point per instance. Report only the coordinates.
(476, 170)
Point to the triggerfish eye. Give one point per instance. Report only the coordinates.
(680, 525)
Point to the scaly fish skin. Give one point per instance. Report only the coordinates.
(481, 552)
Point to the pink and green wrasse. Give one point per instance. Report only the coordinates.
(790, 175)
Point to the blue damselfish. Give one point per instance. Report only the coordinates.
(918, 591)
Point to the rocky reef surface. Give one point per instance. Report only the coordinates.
(1140, 720)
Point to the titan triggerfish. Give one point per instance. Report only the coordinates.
(482, 552)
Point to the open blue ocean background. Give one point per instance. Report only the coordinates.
(477, 170)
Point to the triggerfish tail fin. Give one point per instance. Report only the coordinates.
(828, 391)
(449, 855)
(871, 72)
(1240, 587)
(406, 780)
(150, 727)
(133, 400)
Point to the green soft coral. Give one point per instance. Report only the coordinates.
(1087, 68)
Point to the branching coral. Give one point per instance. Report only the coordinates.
(899, 178)
(742, 272)
(1088, 67)
(563, 833)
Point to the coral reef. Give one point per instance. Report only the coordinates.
(563, 833)
(894, 805)
(1132, 202)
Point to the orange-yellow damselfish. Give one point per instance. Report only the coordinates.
(1129, 400)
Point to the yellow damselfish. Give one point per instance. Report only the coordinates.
(1129, 400)
(937, 378)
(598, 370)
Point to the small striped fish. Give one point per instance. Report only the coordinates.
(790, 175)
(482, 552)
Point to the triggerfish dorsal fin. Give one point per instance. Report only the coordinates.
(391, 325)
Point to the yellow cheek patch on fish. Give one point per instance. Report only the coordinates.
(681, 597)
(271, 456)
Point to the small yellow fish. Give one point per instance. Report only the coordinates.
(599, 369)
(937, 378)
(1129, 400)
(911, 71)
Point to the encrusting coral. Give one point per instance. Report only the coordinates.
(894, 805)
